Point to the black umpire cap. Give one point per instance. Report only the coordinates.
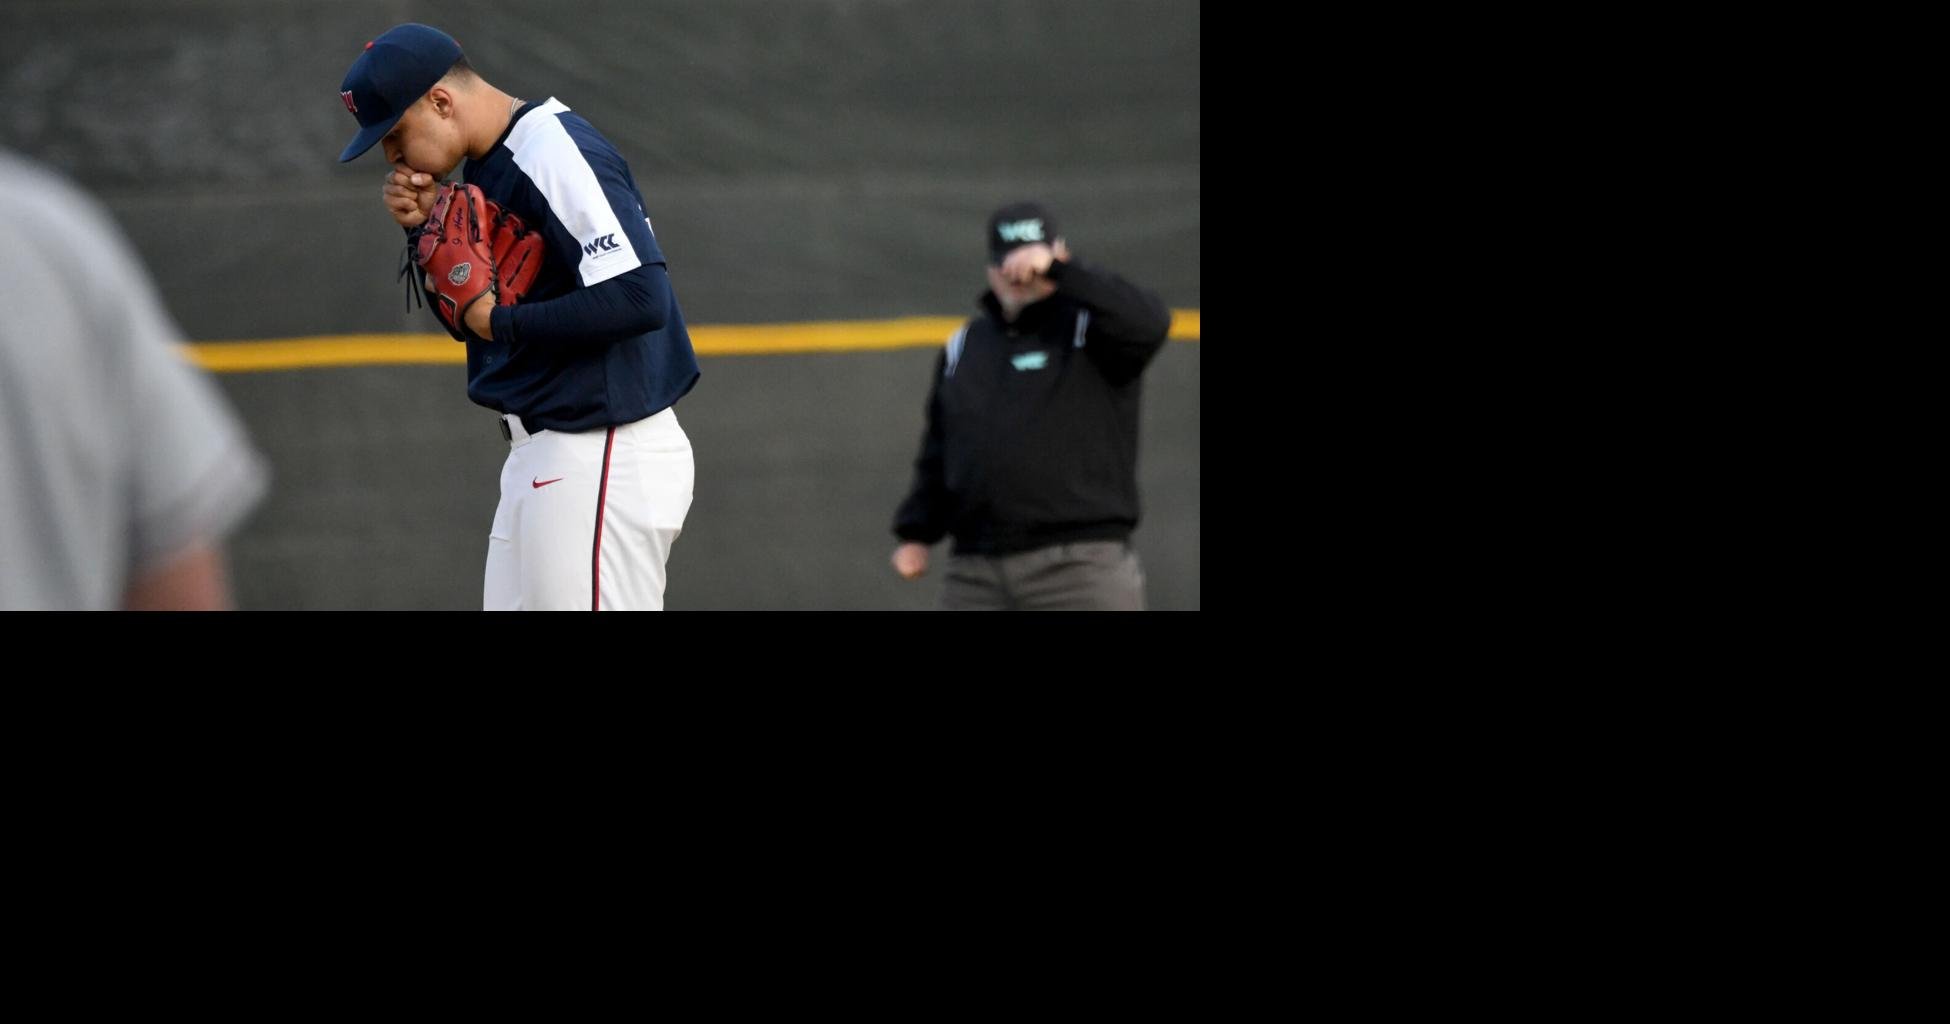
(1019, 224)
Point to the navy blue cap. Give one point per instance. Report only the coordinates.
(392, 74)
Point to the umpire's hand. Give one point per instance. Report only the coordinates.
(911, 560)
(1026, 263)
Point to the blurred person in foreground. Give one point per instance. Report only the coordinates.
(124, 466)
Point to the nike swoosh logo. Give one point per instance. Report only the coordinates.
(544, 483)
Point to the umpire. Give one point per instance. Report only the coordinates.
(1029, 460)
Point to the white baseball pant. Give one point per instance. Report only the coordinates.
(586, 520)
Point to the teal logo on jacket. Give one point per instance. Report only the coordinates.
(1031, 360)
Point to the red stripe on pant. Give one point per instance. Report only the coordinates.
(596, 557)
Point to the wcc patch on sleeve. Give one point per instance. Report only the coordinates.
(601, 245)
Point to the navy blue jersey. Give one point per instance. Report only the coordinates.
(599, 338)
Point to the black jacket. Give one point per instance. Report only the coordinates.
(1032, 433)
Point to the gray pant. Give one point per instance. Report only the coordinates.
(1097, 575)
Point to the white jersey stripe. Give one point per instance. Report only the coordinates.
(548, 155)
(954, 350)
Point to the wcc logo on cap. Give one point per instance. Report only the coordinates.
(1021, 230)
(1016, 225)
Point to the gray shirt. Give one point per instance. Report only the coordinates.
(116, 454)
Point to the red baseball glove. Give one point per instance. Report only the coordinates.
(469, 247)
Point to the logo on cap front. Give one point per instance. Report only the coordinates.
(458, 275)
(349, 105)
(1021, 231)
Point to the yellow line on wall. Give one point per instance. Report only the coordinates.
(707, 339)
